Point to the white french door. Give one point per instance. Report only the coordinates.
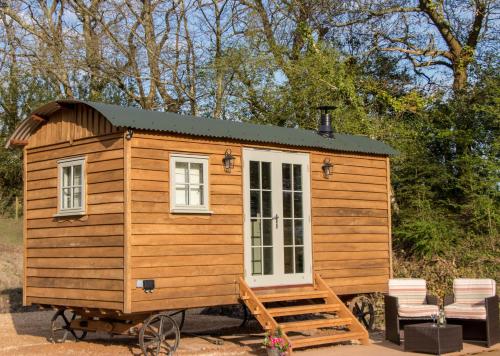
(277, 213)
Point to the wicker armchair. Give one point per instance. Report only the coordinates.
(407, 303)
(474, 305)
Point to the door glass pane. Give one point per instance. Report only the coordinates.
(256, 232)
(268, 260)
(77, 175)
(196, 173)
(297, 177)
(266, 175)
(297, 204)
(266, 204)
(267, 226)
(287, 204)
(181, 172)
(288, 231)
(66, 176)
(195, 195)
(254, 175)
(289, 260)
(181, 195)
(287, 177)
(256, 260)
(77, 197)
(299, 260)
(299, 232)
(255, 203)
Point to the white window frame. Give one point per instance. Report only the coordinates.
(187, 209)
(71, 162)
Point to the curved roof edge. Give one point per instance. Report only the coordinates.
(136, 118)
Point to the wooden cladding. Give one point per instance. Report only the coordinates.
(195, 259)
(75, 260)
(69, 124)
(129, 233)
(351, 223)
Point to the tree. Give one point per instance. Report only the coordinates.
(428, 33)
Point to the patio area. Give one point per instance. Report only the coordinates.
(203, 335)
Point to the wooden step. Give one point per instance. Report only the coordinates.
(303, 309)
(315, 324)
(301, 341)
(278, 297)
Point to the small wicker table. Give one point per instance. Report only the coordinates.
(432, 339)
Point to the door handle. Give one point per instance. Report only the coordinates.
(276, 217)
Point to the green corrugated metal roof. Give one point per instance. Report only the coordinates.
(191, 125)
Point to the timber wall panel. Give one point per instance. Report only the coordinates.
(75, 261)
(194, 259)
(72, 123)
(350, 222)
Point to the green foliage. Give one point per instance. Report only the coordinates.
(446, 180)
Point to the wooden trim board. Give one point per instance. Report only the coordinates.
(389, 217)
(127, 235)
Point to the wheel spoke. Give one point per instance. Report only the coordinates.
(161, 327)
(365, 322)
(153, 331)
(158, 348)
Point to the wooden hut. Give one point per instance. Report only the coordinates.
(135, 211)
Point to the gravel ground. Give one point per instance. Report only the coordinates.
(26, 334)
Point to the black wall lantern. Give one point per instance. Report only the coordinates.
(228, 160)
(327, 167)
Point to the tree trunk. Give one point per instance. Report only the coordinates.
(459, 76)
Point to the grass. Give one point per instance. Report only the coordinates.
(11, 265)
(11, 232)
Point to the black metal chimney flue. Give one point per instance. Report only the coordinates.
(325, 123)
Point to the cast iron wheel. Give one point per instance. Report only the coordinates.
(60, 327)
(159, 335)
(362, 308)
(179, 317)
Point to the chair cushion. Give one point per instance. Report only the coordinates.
(417, 310)
(473, 291)
(408, 290)
(465, 311)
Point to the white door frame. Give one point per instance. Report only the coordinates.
(277, 158)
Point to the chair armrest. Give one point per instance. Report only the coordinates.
(391, 301)
(391, 318)
(431, 299)
(491, 304)
(448, 299)
(492, 320)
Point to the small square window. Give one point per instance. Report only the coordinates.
(189, 183)
(71, 187)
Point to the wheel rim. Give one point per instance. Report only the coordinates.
(60, 327)
(179, 317)
(159, 335)
(363, 310)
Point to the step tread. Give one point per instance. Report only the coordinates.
(314, 324)
(276, 297)
(303, 309)
(301, 341)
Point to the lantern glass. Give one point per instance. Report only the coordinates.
(228, 160)
(327, 167)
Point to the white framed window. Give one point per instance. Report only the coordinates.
(71, 186)
(188, 183)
